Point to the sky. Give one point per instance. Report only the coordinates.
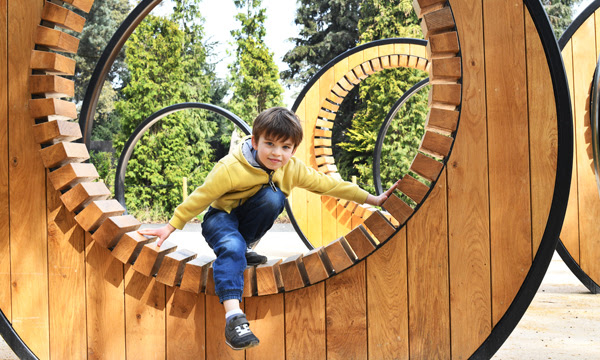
(219, 18)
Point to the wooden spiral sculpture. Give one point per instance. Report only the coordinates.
(447, 279)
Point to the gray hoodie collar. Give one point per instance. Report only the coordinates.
(250, 154)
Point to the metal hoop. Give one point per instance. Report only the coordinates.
(384, 128)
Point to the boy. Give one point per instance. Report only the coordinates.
(246, 192)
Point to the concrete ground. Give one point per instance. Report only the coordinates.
(562, 323)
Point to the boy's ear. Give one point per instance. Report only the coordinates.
(254, 143)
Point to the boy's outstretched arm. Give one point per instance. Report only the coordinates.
(380, 199)
(162, 232)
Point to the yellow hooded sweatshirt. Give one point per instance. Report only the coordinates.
(233, 180)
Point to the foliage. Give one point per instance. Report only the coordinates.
(378, 93)
(101, 23)
(254, 75)
(560, 13)
(327, 29)
(167, 65)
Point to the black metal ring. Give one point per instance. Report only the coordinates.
(384, 128)
(152, 119)
(594, 117)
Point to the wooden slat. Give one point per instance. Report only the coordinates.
(449, 94)
(324, 123)
(422, 64)
(323, 151)
(323, 133)
(84, 5)
(105, 316)
(423, 7)
(443, 45)
(445, 69)
(317, 265)
(56, 40)
(172, 266)
(66, 281)
(313, 201)
(400, 210)
(435, 144)
(215, 340)
(64, 153)
(437, 22)
(96, 212)
(307, 307)
(113, 228)
(62, 17)
(151, 256)
(52, 63)
(376, 64)
(186, 330)
(209, 289)
(27, 187)
(144, 316)
(293, 272)
(427, 244)
(379, 226)
(51, 86)
(442, 120)
(250, 282)
(387, 298)
(130, 245)
(195, 274)
(468, 196)
(51, 132)
(542, 120)
(385, 62)
(360, 241)
(589, 207)
(268, 278)
(413, 188)
(5, 293)
(340, 254)
(413, 61)
(367, 69)
(426, 167)
(72, 174)
(298, 199)
(266, 317)
(52, 109)
(570, 230)
(84, 193)
(508, 151)
(347, 314)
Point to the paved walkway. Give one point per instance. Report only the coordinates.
(562, 323)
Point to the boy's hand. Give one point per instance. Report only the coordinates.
(162, 232)
(380, 199)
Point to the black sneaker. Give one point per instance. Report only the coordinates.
(238, 334)
(252, 258)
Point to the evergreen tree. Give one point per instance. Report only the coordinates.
(167, 65)
(327, 29)
(380, 20)
(101, 23)
(254, 75)
(560, 13)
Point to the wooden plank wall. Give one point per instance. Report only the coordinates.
(580, 233)
(444, 279)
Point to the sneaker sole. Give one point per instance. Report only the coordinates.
(251, 345)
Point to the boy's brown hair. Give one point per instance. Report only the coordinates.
(278, 123)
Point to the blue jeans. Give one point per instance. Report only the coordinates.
(229, 235)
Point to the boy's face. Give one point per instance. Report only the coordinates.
(273, 153)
